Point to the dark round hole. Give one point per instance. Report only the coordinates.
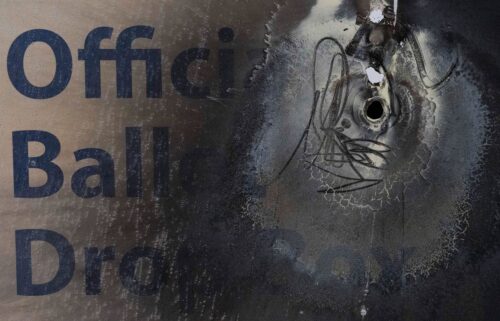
(375, 110)
(226, 34)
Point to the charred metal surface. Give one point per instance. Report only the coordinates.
(343, 167)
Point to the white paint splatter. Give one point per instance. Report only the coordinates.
(374, 77)
(376, 16)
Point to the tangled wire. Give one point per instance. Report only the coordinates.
(337, 150)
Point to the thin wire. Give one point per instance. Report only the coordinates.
(395, 11)
(422, 70)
